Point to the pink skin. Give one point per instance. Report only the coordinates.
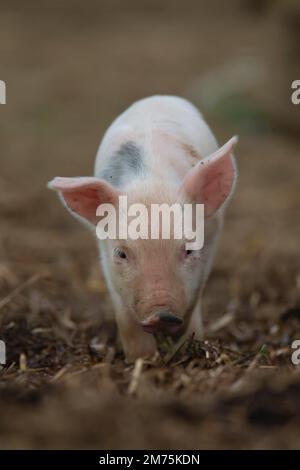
(148, 278)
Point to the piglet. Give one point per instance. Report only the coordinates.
(160, 150)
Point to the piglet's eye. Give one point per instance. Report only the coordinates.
(120, 253)
(188, 252)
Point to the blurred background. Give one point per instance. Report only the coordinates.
(70, 68)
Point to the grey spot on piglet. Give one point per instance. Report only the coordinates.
(127, 162)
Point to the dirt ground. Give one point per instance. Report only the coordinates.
(69, 71)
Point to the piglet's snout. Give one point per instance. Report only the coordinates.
(163, 321)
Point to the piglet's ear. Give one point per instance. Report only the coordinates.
(211, 182)
(83, 195)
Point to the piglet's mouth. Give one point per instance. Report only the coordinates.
(164, 322)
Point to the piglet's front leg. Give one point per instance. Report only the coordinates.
(136, 342)
(195, 327)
